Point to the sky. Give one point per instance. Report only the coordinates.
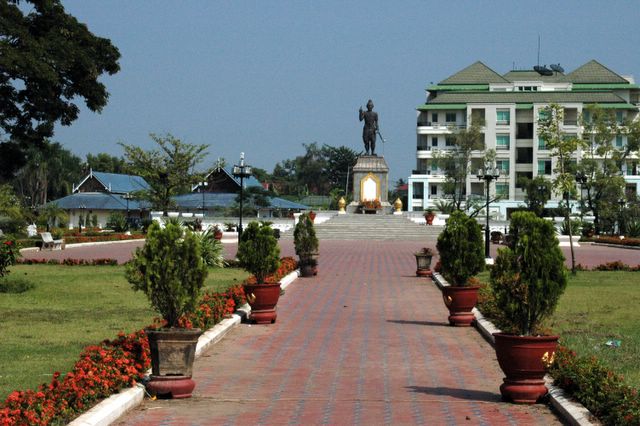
(265, 77)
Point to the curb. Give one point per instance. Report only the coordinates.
(95, 243)
(111, 409)
(569, 409)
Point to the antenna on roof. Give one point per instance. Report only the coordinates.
(556, 68)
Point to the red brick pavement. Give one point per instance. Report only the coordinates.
(364, 342)
(586, 254)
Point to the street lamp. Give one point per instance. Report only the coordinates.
(621, 203)
(488, 173)
(128, 197)
(203, 185)
(242, 171)
(581, 179)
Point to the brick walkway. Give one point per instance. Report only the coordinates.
(364, 342)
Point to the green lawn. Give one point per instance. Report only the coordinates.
(598, 307)
(45, 329)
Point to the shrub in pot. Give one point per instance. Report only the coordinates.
(306, 244)
(461, 251)
(527, 281)
(170, 271)
(259, 254)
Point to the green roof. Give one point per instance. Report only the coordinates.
(454, 87)
(524, 106)
(604, 86)
(476, 73)
(615, 106)
(430, 107)
(526, 97)
(594, 72)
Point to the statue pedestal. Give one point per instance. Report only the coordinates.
(370, 184)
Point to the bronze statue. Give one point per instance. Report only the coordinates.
(370, 127)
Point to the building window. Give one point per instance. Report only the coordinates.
(434, 190)
(434, 167)
(418, 190)
(542, 144)
(524, 131)
(524, 155)
(522, 178)
(619, 117)
(434, 117)
(449, 141)
(502, 141)
(450, 117)
(502, 116)
(619, 141)
(502, 189)
(544, 167)
(503, 166)
(434, 141)
(543, 114)
(586, 116)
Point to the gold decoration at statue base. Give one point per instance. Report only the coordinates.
(397, 205)
(341, 205)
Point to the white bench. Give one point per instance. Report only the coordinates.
(49, 243)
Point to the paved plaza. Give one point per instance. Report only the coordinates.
(364, 342)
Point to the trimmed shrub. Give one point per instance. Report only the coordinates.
(258, 251)
(528, 277)
(169, 270)
(460, 246)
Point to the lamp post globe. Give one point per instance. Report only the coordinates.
(488, 174)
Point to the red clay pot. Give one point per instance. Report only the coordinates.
(460, 301)
(263, 299)
(523, 359)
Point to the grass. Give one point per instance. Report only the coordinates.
(44, 329)
(596, 307)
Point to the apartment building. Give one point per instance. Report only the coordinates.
(509, 105)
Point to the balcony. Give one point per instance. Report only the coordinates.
(442, 126)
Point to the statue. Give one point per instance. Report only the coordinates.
(370, 127)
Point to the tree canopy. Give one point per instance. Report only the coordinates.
(48, 61)
(168, 171)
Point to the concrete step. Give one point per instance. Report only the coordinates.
(372, 227)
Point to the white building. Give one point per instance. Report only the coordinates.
(509, 105)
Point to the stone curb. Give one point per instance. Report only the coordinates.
(569, 409)
(111, 409)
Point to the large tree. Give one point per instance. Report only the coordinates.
(103, 162)
(48, 62)
(456, 161)
(169, 170)
(563, 148)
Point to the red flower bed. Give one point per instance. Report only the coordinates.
(633, 242)
(287, 265)
(99, 238)
(101, 371)
(112, 365)
(69, 262)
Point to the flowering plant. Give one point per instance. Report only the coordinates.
(425, 251)
(372, 204)
(9, 252)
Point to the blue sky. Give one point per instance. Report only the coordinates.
(264, 77)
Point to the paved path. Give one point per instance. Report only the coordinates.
(364, 342)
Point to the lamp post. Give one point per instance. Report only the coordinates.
(488, 173)
(581, 179)
(621, 203)
(128, 197)
(203, 185)
(242, 171)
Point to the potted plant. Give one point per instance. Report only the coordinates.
(527, 280)
(259, 254)
(170, 271)
(423, 262)
(217, 232)
(306, 245)
(461, 252)
(429, 215)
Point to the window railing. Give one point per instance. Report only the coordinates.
(502, 147)
(570, 122)
(502, 122)
(436, 125)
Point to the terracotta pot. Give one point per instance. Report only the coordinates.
(429, 218)
(308, 271)
(312, 216)
(217, 235)
(172, 355)
(523, 359)
(263, 299)
(460, 302)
